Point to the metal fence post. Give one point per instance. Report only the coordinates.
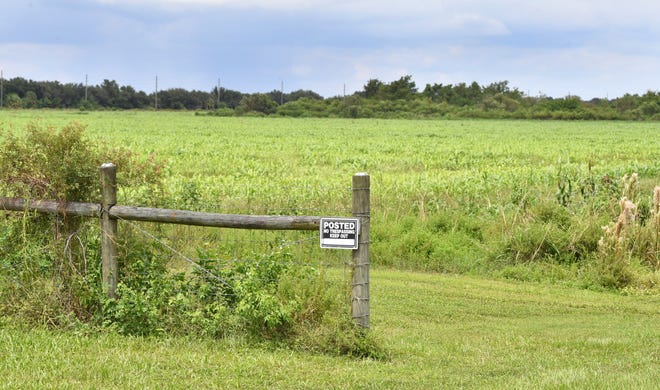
(360, 279)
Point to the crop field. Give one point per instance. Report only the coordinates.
(448, 196)
(419, 166)
(487, 266)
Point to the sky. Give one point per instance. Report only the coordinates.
(588, 48)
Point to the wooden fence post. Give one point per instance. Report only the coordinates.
(360, 280)
(109, 268)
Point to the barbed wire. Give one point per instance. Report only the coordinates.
(179, 254)
(237, 249)
(218, 262)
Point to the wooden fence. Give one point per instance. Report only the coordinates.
(109, 212)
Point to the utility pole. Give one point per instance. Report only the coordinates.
(218, 90)
(156, 95)
(282, 93)
(2, 89)
(85, 87)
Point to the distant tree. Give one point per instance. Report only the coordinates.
(649, 109)
(649, 105)
(228, 97)
(462, 95)
(437, 92)
(175, 99)
(300, 94)
(106, 94)
(140, 100)
(72, 95)
(30, 100)
(474, 93)
(18, 86)
(50, 94)
(403, 88)
(278, 97)
(257, 102)
(12, 100)
(129, 98)
(372, 88)
(397, 99)
(210, 103)
(626, 102)
(650, 97)
(569, 103)
(496, 87)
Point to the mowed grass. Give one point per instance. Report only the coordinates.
(440, 332)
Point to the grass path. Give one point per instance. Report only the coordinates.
(441, 331)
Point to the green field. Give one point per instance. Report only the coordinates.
(487, 267)
(451, 196)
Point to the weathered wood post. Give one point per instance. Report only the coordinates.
(360, 281)
(109, 268)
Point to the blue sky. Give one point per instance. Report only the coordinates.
(589, 48)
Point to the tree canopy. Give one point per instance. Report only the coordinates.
(399, 98)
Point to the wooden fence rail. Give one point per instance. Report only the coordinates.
(149, 214)
(109, 213)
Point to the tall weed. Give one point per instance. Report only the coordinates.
(628, 248)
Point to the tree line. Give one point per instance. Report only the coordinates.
(399, 98)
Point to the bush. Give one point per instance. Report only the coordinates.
(222, 112)
(50, 164)
(257, 103)
(59, 253)
(304, 107)
(269, 298)
(63, 165)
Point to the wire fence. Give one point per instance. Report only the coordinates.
(208, 250)
(189, 245)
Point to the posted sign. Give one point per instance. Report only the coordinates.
(339, 233)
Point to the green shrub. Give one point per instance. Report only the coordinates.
(59, 253)
(269, 298)
(222, 112)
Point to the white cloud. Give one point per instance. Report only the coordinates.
(578, 12)
(556, 47)
(275, 4)
(587, 71)
(567, 14)
(328, 69)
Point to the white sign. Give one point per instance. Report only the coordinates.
(339, 233)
